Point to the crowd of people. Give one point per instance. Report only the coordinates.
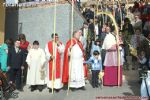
(92, 50)
(133, 25)
(39, 67)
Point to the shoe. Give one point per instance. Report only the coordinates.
(73, 89)
(40, 88)
(82, 88)
(20, 90)
(96, 86)
(93, 86)
(33, 88)
(57, 90)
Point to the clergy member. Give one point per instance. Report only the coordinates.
(54, 51)
(36, 60)
(73, 68)
(111, 61)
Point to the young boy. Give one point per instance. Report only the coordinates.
(35, 60)
(96, 46)
(96, 63)
(142, 61)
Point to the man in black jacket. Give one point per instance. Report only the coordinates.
(15, 64)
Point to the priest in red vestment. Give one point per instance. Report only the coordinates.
(54, 50)
(73, 68)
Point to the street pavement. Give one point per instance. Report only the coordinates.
(130, 87)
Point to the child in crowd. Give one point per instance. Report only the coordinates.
(142, 61)
(96, 46)
(35, 74)
(96, 67)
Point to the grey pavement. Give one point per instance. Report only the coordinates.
(130, 87)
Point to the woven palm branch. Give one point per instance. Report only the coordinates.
(133, 51)
(101, 74)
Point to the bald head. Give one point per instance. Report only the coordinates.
(77, 34)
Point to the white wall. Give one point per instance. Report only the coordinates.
(11, 1)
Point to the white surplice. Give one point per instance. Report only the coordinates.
(57, 82)
(35, 60)
(111, 58)
(77, 70)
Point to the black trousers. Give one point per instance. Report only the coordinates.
(25, 72)
(15, 77)
(103, 53)
(95, 78)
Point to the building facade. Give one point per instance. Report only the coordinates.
(2, 21)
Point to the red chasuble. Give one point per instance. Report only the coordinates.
(65, 75)
(58, 62)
